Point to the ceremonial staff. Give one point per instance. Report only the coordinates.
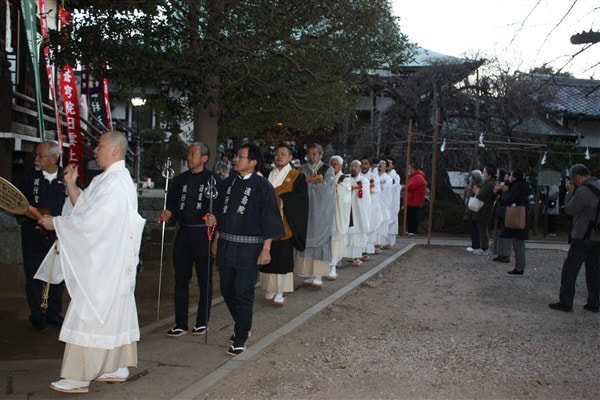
(168, 174)
(211, 193)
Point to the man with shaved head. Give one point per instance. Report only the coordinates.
(341, 219)
(360, 211)
(313, 262)
(99, 235)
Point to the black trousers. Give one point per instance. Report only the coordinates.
(551, 224)
(34, 251)
(581, 251)
(412, 219)
(474, 231)
(237, 288)
(191, 249)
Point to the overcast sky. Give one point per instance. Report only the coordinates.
(503, 29)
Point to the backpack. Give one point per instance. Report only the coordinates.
(594, 225)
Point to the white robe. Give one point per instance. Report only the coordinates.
(395, 208)
(385, 199)
(376, 219)
(98, 243)
(361, 215)
(341, 219)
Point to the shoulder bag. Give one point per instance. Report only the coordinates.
(475, 204)
(515, 217)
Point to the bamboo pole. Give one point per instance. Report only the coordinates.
(408, 144)
(434, 161)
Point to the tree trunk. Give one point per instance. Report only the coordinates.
(206, 128)
(206, 116)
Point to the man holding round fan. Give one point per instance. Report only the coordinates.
(44, 189)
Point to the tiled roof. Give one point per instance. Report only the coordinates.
(577, 97)
(542, 126)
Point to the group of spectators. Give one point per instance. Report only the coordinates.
(498, 190)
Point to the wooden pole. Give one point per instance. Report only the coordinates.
(408, 144)
(434, 161)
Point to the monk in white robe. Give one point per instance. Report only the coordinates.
(374, 192)
(99, 235)
(385, 183)
(314, 260)
(395, 204)
(341, 220)
(360, 215)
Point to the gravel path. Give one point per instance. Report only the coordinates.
(437, 324)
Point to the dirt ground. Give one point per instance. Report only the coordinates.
(437, 324)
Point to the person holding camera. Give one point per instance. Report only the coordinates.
(581, 203)
(500, 245)
(517, 193)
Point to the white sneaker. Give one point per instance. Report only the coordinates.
(269, 295)
(470, 249)
(119, 375)
(481, 252)
(71, 386)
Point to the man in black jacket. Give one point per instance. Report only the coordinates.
(581, 203)
(187, 203)
(44, 189)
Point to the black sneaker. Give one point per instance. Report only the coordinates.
(501, 259)
(199, 330)
(176, 332)
(590, 308)
(560, 306)
(515, 272)
(234, 351)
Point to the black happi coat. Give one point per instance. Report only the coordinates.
(246, 207)
(41, 194)
(187, 198)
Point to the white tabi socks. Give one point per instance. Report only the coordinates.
(332, 273)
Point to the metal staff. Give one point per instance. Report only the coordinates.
(211, 193)
(168, 174)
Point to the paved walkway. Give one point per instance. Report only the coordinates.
(186, 367)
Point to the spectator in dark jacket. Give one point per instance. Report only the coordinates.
(581, 203)
(517, 193)
(500, 245)
(414, 197)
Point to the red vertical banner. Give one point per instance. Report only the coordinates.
(46, 44)
(68, 87)
(107, 105)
